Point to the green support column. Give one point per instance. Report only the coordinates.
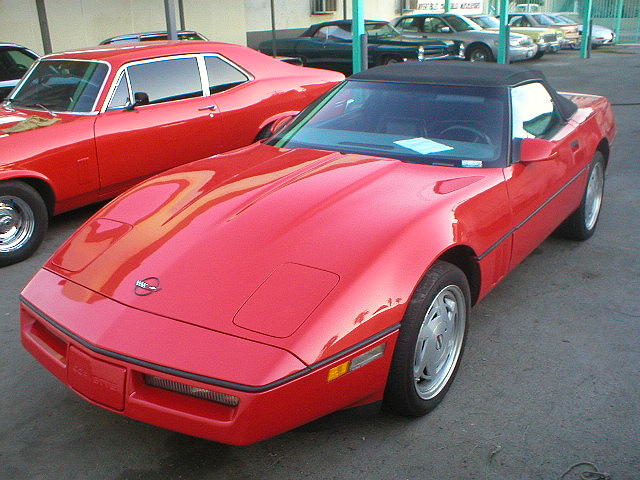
(357, 30)
(447, 6)
(619, 7)
(585, 50)
(503, 44)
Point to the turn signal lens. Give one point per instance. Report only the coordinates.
(355, 363)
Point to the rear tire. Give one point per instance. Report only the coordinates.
(23, 221)
(430, 342)
(581, 224)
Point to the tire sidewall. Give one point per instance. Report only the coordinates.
(401, 395)
(41, 219)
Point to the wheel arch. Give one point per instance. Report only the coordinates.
(603, 147)
(37, 182)
(463, 257)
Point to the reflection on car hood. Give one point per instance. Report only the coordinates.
(211, 235)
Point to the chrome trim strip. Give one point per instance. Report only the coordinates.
(531, 215)
(201, 378)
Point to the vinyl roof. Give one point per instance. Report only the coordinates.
(451, 73)
(464, 74)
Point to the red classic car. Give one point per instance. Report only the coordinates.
(332, 265)
(83, 126)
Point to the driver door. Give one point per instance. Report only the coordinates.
(543, 193)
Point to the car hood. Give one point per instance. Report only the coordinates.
(9, 117)
(222, 247)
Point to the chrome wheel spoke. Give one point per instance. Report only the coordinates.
(17, 223)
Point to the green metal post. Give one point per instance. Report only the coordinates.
(447, 6)
(586, 30)
(619, 7)
(357, 31)
(503, 44)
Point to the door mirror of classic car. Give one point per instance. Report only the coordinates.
(537, 150)
(139, 98)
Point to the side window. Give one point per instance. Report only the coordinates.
(533, 112)
(411, 24)
(166, 80)
(120, 97)
(221, 75)
(13, 64)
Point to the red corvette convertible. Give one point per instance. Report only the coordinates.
(332, 265)
(85, 125)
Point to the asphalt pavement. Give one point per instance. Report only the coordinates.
(550, 376)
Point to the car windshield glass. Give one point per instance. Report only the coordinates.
(487, 21)
(62, 86)
(374, 29)
(429, 124)
(461, 24)
(561, 19)
(545, 19)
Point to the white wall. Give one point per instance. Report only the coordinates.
(81, 23)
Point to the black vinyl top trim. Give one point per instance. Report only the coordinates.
(531, 215)
(203, 378)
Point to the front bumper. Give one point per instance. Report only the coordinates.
(520, 53)
(551, 47)
(103, 350)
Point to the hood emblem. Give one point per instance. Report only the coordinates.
(147, 286)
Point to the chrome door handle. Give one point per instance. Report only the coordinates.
(210, 107)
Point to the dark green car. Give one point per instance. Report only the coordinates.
(329, 45)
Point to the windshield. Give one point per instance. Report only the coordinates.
(429, 124)
(546, 19)
(380, 29)
(487, 21)
(561, 19)
(461, 24)
(61, 86)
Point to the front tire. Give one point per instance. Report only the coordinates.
(480, 53)
(23, 221)
(581, 224)
(430, 343)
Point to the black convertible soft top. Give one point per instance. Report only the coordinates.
(459, 73)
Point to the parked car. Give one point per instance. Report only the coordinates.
(329, 45)
(477, 45)
(153, 37)
(570, 32)
(548, 40)
(110, 117)
(599, 35)
(333, 265)
(15, 60)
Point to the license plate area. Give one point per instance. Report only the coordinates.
(97, 380)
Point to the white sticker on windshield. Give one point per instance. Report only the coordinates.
(472, 163)
(423, 145)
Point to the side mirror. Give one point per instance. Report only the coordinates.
(139, 98)
(445, 30)
(537, 150)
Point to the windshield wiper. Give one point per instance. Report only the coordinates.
(47, 110)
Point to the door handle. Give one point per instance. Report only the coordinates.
(213, 108)
(575, 145)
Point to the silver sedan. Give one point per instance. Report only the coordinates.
(476, 44)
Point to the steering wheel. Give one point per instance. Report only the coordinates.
(466, 129)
